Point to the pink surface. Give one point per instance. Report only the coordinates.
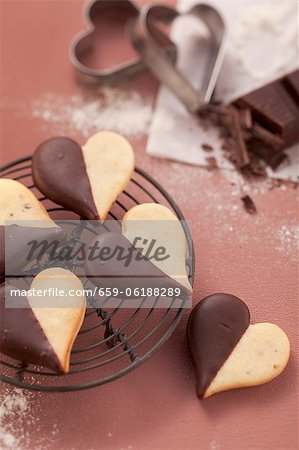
(253, 257)
(110, 28)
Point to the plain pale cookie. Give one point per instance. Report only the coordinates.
(18, 203)
(261, 355)
(109, 161)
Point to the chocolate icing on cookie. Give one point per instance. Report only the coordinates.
(59, 172)
(15, 240)
(22, 337)
(115, 271)
(214, 328)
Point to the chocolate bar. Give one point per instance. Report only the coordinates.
(274, 109)
(260, 124)
(291, 84)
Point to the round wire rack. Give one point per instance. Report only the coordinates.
(112, 341)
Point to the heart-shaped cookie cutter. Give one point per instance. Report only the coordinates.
(83, 42)
(143, 39)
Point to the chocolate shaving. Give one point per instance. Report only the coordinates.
(257, 168)
(207, 147)
(249, 205)
(274, 183)
(246, 118)
(211, 162)
(228, 119)
(242, 157)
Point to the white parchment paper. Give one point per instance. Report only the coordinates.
(261, 45)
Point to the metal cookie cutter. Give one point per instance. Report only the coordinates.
(143, 39)
(84, 42)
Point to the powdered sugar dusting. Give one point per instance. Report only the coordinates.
(221, 216)
(288, 237)
(241, 185)
(13, 407)
(122, 111)
(16, 416)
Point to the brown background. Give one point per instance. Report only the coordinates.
(155, 407)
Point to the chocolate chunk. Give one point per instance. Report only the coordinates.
(257, 168)
(228, 119)
(69, 188)
(212, 162)
(248, 204)
(246, 118)
(266, 136)
(273, 108)
(214, 328)
(261, 123)
(266, 152)
(277, 160)
(291, 84)
(241, 156)
(22, 338)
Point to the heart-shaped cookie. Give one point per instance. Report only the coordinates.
(85, 180)
(156, 226)
(227, 351)
(141, 259)
(22, 219)
(42, 329)
(118, 265)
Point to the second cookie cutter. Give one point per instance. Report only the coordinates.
(84, 41)
(143, 39)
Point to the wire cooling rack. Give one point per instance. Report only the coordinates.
(112, 342)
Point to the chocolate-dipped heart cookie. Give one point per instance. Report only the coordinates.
(156, 226)
(87, 179)
(42, 329)
(147, 257)
(22, 219)
(117, 264)
(227, 351)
